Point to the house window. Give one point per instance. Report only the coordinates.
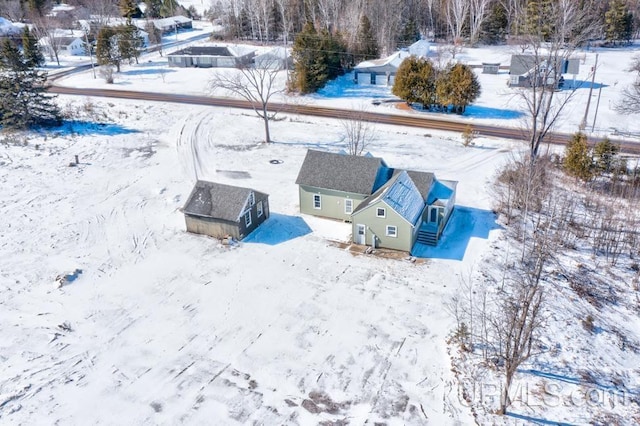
(247, 218)
(259, 207)
(317, 203)
(348, 205)
(380, 212)
(392, 231)
(252, 199)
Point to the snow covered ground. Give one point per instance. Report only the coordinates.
(163, 327)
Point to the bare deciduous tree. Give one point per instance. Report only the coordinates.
(256, 85)
(477, 12)
(358, 133)
(456, 13)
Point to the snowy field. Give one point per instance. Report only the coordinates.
(163, 327)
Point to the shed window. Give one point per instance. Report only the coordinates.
(381, 212)
(317, 202)
(392, 231)
(348, 205)
(247, 218)
(259, 208)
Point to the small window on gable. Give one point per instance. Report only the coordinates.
(252, 199)
(381, 212)
(259, 208)
(348, 205)
(247, 218)
(317, 202)
(392, 231)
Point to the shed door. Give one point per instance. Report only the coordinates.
(361, 234)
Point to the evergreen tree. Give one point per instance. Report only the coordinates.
(618, 22)
(169, 8)
(416, 81)
(605, 154)
(30, 49)
(460, 87)
(366, 44)
(153, 8)
(129, 42)
(409, 34)
(495, 27)
(577, 158)
(10, 57)
(128, 9)
(304, 52)
(25, 100)
(107, 52)
(538, 18)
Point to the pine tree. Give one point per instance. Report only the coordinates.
(366, 44)
(409, 34)
(10, 57)
(153, 8)
(605, 154)
(618, 22)
(107, 52)
(30, 49)
(577, 158)
(495, 26)
(129, 42)
(538, 18)
(25, 100)
(169, 8)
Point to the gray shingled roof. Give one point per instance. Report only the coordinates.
(520, 64)
(217, 201)
(422, 180)
(347, 173)
(204, 51)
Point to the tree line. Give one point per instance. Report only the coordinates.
(468, 21)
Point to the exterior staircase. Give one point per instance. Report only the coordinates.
(428, 234)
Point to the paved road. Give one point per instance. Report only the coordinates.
(626, 146)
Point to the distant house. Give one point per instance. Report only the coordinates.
(220, 210)
(68, 45)
(420, 48)
(404, 206)
(168, 25)
(527, 70)
(379, 71)
(333, 185)
(277, 58)
(211, 57)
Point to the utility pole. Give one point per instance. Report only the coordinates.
(90, 48)
(583, 125)
(597, 106)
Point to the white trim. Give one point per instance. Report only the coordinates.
(319, 200)
(259, 208)
(384, 212)
(247, 218)
(348, 202)
(394, 233)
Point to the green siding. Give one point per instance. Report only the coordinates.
(332, 202)
(406, 235)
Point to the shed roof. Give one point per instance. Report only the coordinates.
(388, 64)
(521, 64)
(340, 172)
(204, 51)
(218, 201)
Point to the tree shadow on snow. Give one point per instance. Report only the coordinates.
(148, 71)
(279, 228)
(464, 223)
(477, 111)
(79, 127)
(536, 420)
